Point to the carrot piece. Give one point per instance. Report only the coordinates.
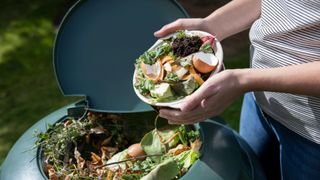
(196, 76)
(166, 58)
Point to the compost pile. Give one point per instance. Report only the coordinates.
(97, 146)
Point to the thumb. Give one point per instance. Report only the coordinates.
(181, 24)
(169, 28)
(197, 97)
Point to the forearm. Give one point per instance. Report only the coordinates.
(234, 17)
(296, 79)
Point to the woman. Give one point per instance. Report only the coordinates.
(280, 117)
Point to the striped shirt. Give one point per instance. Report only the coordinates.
(288, 33)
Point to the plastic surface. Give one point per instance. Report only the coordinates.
(94, 53)
(226, 154)
(97, 45)
(22, 161)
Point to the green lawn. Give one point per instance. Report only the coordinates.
(232, 113)
(28, 89)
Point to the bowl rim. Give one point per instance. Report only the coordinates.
(176, 103)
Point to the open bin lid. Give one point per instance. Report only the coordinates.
(95, 51)
(97, 45)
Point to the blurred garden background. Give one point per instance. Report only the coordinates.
(28, 89)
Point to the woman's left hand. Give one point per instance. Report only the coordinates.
(211, 99)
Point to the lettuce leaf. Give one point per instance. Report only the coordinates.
(187, 158)
(152, 145)
(168, 169)
(150, 56)
(122, 155)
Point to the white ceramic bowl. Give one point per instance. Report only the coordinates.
(176, 103)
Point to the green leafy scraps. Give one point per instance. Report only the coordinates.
(171, 77)
(206, 48)
(150, 57)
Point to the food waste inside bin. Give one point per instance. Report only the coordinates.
(95, 49)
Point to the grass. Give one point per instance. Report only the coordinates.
(28, 89)
(232, 113)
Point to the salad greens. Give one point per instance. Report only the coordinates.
(181, 34)
(171, 62)
(150, 57)
(206, 47)
(178, 147)
(168, 169)
(171, 77)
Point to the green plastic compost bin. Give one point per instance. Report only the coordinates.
(94, 54)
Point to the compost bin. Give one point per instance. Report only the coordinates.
(94, 52)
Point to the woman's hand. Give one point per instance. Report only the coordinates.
(211, 99)
(230, 19)
(181, 24)
(222, 89)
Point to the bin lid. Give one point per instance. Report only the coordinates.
(97, 44)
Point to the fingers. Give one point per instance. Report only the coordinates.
(179, 24)
(195, 99)
(170, 28)
(169, 114)
(175, 116)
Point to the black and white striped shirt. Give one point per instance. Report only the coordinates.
(287, 33)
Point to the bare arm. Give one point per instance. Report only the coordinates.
(228, 85)
(234, 17)
(230, 19)
(221, 90)
(296, 79)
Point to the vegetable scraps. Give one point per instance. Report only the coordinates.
(175, 67)
(97, 147)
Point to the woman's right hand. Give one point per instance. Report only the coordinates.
(181, 24)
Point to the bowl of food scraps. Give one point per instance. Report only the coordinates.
(176, 66)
